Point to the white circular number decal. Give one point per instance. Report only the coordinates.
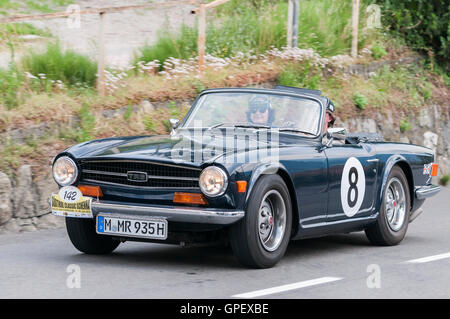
(70, 194)
(353, 186)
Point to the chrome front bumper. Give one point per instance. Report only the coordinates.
(171, 213)
(423, 192)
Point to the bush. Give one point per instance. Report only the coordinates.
(444, 180)
(71, 68)
(405, 126)
(424, 24)
(360, 101)
(378, 51)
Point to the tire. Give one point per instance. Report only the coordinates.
(83, 236)
(268, 198)
(385, 232)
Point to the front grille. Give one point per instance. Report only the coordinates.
(159, 175)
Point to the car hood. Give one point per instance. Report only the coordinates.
(181, 148)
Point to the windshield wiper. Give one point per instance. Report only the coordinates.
(252, 126)
(287, 129)
(240, 125)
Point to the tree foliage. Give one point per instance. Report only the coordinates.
(424, 24)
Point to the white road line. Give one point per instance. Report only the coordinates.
(297, 285)
(428, 259)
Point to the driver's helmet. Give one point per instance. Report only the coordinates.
(330, 111)
(260, 103)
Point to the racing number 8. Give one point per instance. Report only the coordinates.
(353, 187)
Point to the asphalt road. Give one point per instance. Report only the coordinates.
(35, 265)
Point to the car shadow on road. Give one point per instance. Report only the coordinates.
(327, 244)
(165, 256)
(218, 256)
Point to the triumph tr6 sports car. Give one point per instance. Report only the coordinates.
(252, 167)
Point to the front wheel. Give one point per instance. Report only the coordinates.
(260, 239)
(83, 236)
(392, 223)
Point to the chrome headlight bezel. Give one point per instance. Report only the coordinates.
(219, 173)
(65, 181)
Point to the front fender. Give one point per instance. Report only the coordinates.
(262, 169)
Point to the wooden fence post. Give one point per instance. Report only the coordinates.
(292, 27)
(201, 37)
(355, 21)
(101, 57)
(289, 23)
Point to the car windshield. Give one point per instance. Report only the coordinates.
(256, 110)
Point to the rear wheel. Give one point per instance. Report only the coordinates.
(83, 236)
(260, 239)
(392, 223)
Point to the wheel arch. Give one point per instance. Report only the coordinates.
(282, 172)
(400, 161)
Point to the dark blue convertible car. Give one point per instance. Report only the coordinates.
(252, 167)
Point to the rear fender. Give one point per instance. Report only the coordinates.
(390, 163)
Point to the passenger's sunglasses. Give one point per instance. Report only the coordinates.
(259, 108)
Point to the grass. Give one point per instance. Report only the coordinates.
(360, 100)
(238, 27)
(405, 125)
(71, 68)
(301, 75)
(10, 82)
(28, 6)
(9, 31)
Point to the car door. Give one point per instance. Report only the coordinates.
(352, 178)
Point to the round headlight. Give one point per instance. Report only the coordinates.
(213, 181)
(65, 171)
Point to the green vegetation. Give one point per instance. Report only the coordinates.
(10, 82)
(27, 6)
(360, 100)
(444, 180)
(10, 30)
(378, 51)
(87, 124)
(423, 24)
(301, 75)
(405, 125)
(239, 27)
(149, 123)
(71, 68)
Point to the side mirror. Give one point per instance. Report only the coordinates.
(338, 134)
(174, 123)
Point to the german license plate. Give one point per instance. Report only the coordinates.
(148, 228)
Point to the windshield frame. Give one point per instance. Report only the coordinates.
(261, 91)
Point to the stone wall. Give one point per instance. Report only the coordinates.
(431, 128)
(24, 201)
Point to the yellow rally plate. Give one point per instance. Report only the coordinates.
(68, 204)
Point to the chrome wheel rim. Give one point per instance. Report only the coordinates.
(395, 204)
(272, 220)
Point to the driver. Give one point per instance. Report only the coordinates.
(329, 117)
(260, 111)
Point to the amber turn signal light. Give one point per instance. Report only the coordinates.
(434, 169)
(92, 191)
(189, 198)
(241, 186)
